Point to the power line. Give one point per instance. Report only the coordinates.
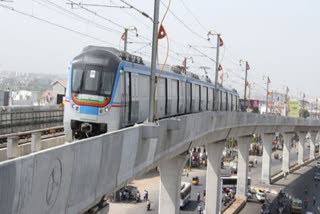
(136, 18)
(136, 9)
(54, 24)
(101, 5)
(192, 14)
(96, 14)
(75, 16)
(186, 26)
(205, 55)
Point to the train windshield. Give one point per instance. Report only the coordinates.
(92, 80)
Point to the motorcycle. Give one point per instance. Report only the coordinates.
(148, 206)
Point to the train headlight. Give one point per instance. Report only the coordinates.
(105, 109)
(76, 107)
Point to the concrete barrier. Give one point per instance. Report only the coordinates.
(72, 177)
(25, 149)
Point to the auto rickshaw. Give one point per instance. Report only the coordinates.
(251, 163)
(195, 180)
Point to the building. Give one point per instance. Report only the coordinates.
(58, 91)
(4, 98)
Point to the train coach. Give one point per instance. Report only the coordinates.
(108, 89)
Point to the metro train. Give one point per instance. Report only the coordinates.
(108, 89)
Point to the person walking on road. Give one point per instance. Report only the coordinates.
(314, 200)
(198, 196)
(145, 195)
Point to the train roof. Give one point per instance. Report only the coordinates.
(109, 56)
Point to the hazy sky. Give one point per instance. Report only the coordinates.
(280, 39)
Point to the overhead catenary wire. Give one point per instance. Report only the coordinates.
(97, 14)
(65, 12)
(181, 22)
(136, 9)
(54, 24)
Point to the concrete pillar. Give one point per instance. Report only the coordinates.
(302, 138)
(35, 141)
(213, 185)
(170, 184)
(243, 160)
(266, 158)
(312, 142)
(12, 147)
(287, 137)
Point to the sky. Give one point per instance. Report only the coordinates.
(279, 39)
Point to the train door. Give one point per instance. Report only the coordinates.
(125, 97)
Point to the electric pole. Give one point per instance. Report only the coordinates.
(286, 103)
(216, 99)
(268, 81)
(125, 39)
(245, 85)
(153, 59)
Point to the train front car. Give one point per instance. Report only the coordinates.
(92, 84)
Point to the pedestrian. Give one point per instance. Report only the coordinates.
(147, 195)
(204, 193)
(306, 190)
(314, 200)
(199, 209)
(255, 161)
(198, 196)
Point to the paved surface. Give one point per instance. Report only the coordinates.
(276, 165)
(151, 183)
(294, 187)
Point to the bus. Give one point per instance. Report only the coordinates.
(185, 193)
(231, 182)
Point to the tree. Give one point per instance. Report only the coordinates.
(304, 113)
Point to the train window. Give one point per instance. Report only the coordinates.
(166, 100)
(178, 95)
(107, 83)
(220, 100)
(207, 98)
(76, 79)
(213, 96)
(231, 102)
(92, 78)
(227, 101)
(199, 97)
(130, 98)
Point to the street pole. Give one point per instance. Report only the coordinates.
(125, 39)
(245, 88)
(267, 94)
(216, 99)
(153, 59)
(287, 90)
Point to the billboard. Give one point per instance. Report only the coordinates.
(293, 109)
(276, 103)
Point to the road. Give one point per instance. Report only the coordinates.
(151, 181)
(294, 187)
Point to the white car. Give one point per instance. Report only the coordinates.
(261, 196)
(318, 164)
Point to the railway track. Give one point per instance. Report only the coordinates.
(25, 137)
